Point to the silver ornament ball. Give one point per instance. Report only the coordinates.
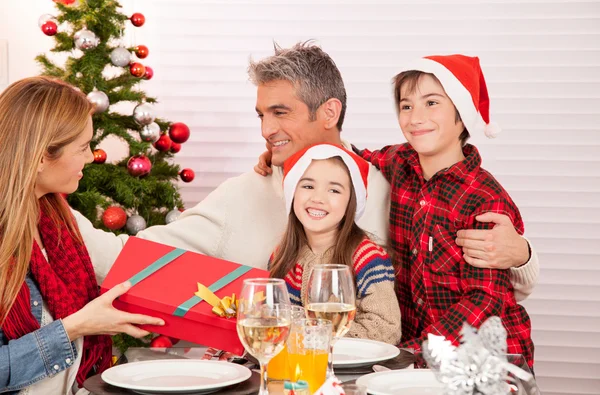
(85, 39)
(45, 18)
(99, 100)
(150, 133)
(172, 216)
(135, 223)
(143, 114)
(120, 57)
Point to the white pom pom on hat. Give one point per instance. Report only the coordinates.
(464, 83)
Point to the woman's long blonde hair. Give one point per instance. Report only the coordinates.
(39, 116)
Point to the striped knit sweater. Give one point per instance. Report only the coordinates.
(377, 310)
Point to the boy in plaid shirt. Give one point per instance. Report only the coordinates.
(438, 187)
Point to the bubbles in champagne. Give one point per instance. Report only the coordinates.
(263, 337)
(341, 315)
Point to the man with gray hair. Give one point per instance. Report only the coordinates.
(301, 101)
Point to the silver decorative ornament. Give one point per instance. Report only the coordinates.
(78, 74)
(143, 114)
(120, 57)
(85, 39)
(99, 100)
(172, 216)
(45, 18)
(479, 365)
(150, 133)
(134, 224)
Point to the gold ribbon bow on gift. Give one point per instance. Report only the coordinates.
(226, 307)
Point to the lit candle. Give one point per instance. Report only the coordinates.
(299, 387)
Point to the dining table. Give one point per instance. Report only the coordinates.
(406, 359)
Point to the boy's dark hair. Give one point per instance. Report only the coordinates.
(410, 79)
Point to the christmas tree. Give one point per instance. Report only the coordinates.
(139, 190)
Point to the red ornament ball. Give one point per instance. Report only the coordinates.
(139, 165)
(137, 69)
(161, 342)
(49, 28)
(141, 51)
(175, 147)
(179, 132)
(138, 19)
(65, 2)
(99, 156)
(114, 218)
(149, 73)
(163, 143)
(187, 175)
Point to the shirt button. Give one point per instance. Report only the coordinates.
(422, 203)
(415, 251)
(420, 301)
(56, 367)
(68, 361)
(35, 303)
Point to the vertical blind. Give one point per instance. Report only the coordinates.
(542, 63)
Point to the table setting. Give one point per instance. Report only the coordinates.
(256, 342)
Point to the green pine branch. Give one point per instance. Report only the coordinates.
(109, 184)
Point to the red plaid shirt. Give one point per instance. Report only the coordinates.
(437, 290)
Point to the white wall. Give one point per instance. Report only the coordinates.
(542, 63)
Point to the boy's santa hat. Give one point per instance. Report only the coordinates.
(463, 81)
(295, 167)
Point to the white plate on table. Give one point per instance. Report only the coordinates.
(402, 382)
(350, 353)
(176, 376)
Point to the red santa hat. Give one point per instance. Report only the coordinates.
(295, 167)
(463, 81)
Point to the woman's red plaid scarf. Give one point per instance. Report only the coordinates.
(67, 283)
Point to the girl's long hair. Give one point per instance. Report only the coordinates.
(39, 116)
(294, 239)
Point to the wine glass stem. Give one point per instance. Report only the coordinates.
(263, 379)
(330, 361)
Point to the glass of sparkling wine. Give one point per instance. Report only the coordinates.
(263, 320)
(331, 296)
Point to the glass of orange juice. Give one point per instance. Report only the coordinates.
(308, 351)
(278, 366)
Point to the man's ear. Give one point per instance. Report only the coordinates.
(331, 111)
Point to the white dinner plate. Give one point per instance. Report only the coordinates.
(349, 353)
(404, 382)
(176, 376)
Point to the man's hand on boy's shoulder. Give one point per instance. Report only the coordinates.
(500, 247)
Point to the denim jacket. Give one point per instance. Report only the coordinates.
(37, 355)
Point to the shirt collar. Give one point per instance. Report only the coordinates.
(464, 170)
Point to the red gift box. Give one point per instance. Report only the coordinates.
(162, 292)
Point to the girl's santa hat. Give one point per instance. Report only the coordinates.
(295, 167)
(463, 81)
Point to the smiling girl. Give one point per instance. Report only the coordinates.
(325, 191)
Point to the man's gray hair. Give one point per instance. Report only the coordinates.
(312, 72)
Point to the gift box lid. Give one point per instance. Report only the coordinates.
(176, 282)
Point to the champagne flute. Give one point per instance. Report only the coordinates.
(332, 296)
(263, 321)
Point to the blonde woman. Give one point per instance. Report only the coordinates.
(53, 325)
